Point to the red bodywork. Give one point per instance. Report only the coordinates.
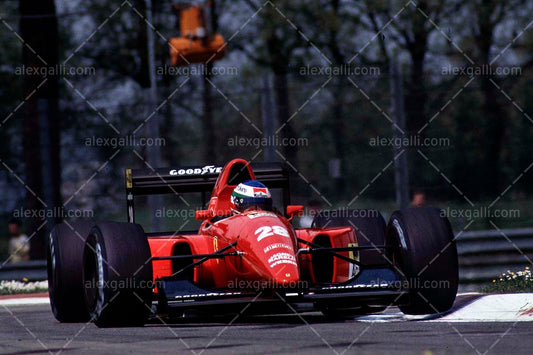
(267, 241)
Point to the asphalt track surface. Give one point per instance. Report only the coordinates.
(33, 330)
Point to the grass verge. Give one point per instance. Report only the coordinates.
(510, 282)
(22, 287)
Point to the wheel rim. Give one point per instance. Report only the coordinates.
(51, 270)
(94, 278)
(398, 239)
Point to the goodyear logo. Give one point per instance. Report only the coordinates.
(208, 169)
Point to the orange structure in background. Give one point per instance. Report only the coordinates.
(195, 45)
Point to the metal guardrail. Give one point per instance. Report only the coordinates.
(34, 270)
(483, 255)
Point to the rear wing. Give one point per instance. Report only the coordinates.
(196, 179)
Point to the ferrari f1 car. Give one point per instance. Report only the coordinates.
(349, 262)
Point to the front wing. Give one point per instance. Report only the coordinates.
(379, 287)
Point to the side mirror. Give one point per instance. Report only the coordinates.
(202, 215)
(295, 210)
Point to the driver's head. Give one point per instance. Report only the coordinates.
(251, 193)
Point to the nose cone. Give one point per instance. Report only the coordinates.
(276, 270)
(288, 280)
(283, 269)
(269, 251)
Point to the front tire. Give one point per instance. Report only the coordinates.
(426, 253)
(118, 275)
(65, 268)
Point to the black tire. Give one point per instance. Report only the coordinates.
(427, 255)
(117, 275)
(65, 267)
(369, 228)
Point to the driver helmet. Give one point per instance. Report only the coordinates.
(251, 193)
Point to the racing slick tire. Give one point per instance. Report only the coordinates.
(369, 228)
(427, 256)
(117, 275)
(64, 268)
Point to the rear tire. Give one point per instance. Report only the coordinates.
(64, 268)
(118, 275)
(427, 255)
(369, 227)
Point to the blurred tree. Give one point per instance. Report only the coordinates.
(338, 121)
(208, 126)
(10, 94)
(408, 26)
(278, 43)
(38, 28)
(337, 127)
(488, 15)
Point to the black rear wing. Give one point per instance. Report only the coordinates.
(196, 179)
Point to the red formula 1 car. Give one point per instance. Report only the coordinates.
(350, 262)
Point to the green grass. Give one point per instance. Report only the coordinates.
(511, 282)
(22, 287)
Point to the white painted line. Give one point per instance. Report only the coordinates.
(24, 301)
(469, 294)
(514, 307)
(382, 317)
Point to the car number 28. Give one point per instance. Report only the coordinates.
(268, 231)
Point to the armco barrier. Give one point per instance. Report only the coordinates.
(34, 270)
(483, 255)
